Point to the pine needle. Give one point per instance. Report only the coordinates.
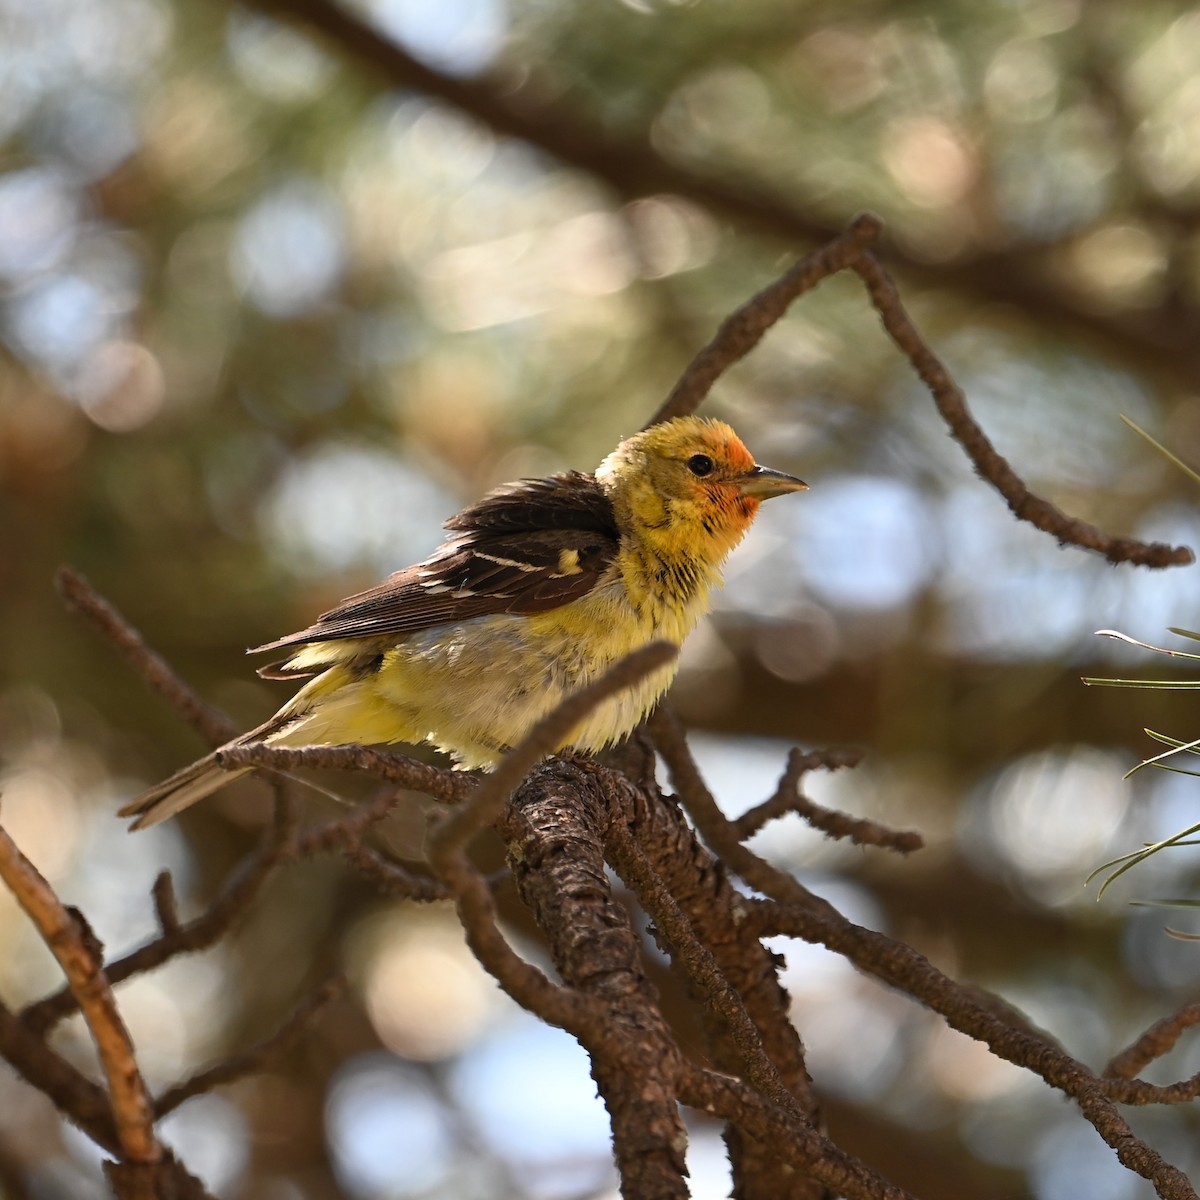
(1188, 471)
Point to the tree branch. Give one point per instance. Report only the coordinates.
(556, 854)
(794, 910)
(746, 326)
(788, 798)
(1158, 1040)
(213, 726)
(988, 462)
(716, 913)
(79, 955)
(450, 787)
(247, 1062)
(742, 331)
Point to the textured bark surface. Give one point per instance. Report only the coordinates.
(701, 886)
(563, 824)
(555, 835)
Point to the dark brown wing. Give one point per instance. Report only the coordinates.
(524, 548)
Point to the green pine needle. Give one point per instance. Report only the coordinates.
(1191, 474)
(1128, 861)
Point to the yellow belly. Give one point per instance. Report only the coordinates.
(477, 689)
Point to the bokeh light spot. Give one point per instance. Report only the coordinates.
(288, 252)
(388, 1131)
(39, 215)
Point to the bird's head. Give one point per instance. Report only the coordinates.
(689, 486)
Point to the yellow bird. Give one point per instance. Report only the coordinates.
(541, 586)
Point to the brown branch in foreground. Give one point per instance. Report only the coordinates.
(247, 1062)
(724, 1096)
(71, 1092)
(987, 460)
(792, 909)
(73, 945)
(746, 326)
(556, 829)
(448, 842)
(787, 798)
(556, 854)
(716, 913)
(908, 971)
(699, 965)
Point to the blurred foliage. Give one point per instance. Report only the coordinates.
(264, 323)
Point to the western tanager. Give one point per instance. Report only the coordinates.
(541, 587)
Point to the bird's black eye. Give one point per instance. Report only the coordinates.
(700, 464)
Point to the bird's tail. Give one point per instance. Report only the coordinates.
(332, 709)
(178, 792)
(191, 784)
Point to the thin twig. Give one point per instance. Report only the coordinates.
(787, 798)
(988, 462)
(78, 954)
(391, 879)
(851, 250)
(450, 787)
(166, 908)
(247, 1062)
(1139, 1092)
(746, 326)
(1158, 1040)
(213, 726)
